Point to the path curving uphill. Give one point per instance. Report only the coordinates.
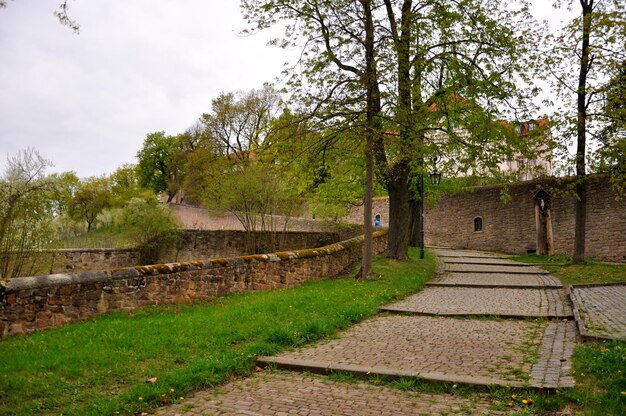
(484, 320)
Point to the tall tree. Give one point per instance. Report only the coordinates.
(581, 59)
(611, 154)
(157, 168)
(91, 197)
(231, 167)
(338, 85)
(26, 211)
(240, 123)
(430, 54)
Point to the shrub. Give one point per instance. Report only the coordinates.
(150, 226)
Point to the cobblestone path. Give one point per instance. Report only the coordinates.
(488, 351)
(483, 260)
(496, 280)
(600, 310)
(282, 394)
(445, 349)
(505, 302)
(492, 268)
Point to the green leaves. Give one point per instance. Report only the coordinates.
(91, 197)
(26, 211)
(156, 168)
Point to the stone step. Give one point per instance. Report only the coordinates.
(495, 280)
(484, 261)
(482, 352)
(478, 301)
(480, 268)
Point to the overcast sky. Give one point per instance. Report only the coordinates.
(87, 101)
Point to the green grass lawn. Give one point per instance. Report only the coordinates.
(103, 366)
(599, 367)
(593, 272)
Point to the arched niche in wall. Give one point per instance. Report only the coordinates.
(478, 224)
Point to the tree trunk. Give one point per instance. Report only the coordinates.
(368, 243)
(399, 217)
(398, 181)
(581, 131)
(371, 128)
(549, 232)
(581, 222)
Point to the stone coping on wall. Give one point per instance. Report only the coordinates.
(36, 282)
(82, 250)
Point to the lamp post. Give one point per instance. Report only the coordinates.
(435, 179)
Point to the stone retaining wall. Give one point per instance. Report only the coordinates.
(85, 259)
(510, 227)
(31, 303)
(193, 244)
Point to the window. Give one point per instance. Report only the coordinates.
(478, 224)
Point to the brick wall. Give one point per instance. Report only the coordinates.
(510, 227)
(31, 303)
(75, 260)
(194, 245)
(201, 244)
(380, 206)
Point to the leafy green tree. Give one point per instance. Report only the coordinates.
(66, 184)
(157, 169)
(26, 211)
(338, 84)
(326, 167)
(611, 154)
(91, 197)
(125, 186)
(151, 228)
(581, 59)
(256, 194)
(425, 55)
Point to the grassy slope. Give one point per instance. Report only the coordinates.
(101, 366)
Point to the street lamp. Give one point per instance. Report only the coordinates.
(435, 179)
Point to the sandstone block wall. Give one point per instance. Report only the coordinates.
(193, 245)
(204, 244)
(510, 227)
(78, 260)
(31, 303)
